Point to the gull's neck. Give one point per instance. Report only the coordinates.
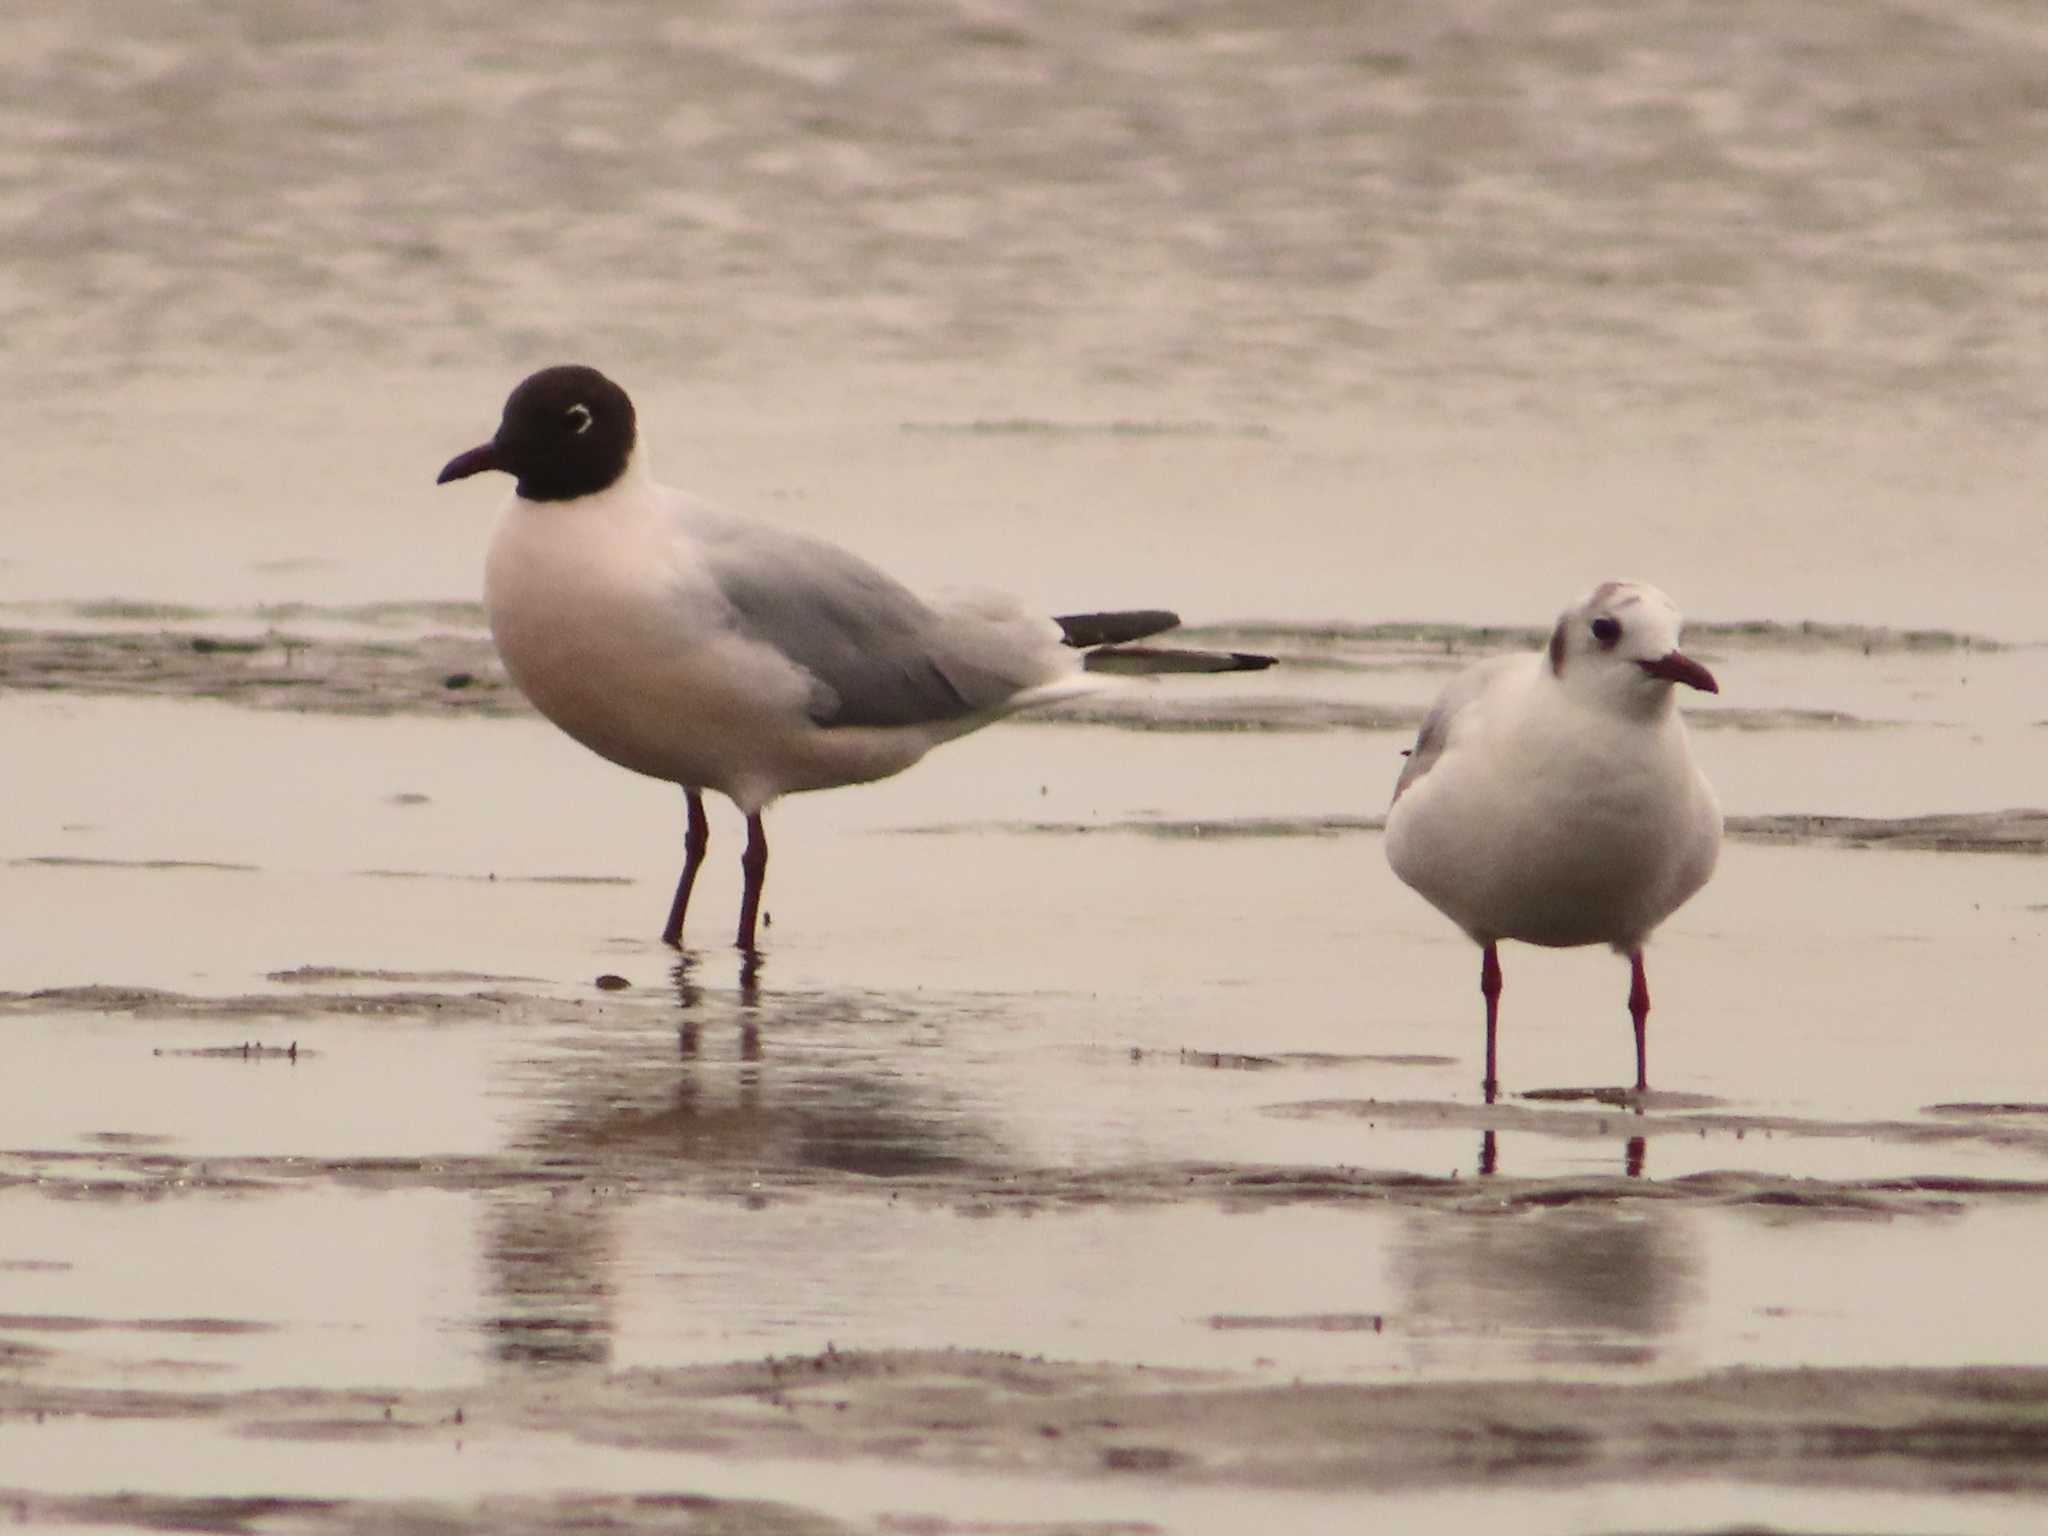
(1618, 695)
(633, 491)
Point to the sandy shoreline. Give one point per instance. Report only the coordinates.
(370, 1169)
(1980, 1430)
(1097, 1146)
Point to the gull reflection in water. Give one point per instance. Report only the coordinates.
(1596, 1281)
(1634, 1155)
(739, 1088)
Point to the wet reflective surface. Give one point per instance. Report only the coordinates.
(1099, 1133)
(976, 1095)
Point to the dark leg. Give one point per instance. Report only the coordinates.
(754, 865)
(1639, 1010)
(1489, 988)
(695, 841)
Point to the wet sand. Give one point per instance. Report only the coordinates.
(370, 1167)
(1097, 1146)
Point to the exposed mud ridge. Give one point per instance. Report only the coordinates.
(1468, 640)
(151, 1176)
(412, 615)
(227, 1516)
(442, 673)
(378, 660)
(942, 1411)
(19, 1322)
(313, 975)
(1626, 1113)
(1149, 710)
(248, 627)
(248, 1050)
(433, 673)
(502, 1515)
(1134, 710)
(1166, 827)
(1240, 1061)
(152, 1003)
(70, 861)
(2020, 830)
(1988, 1108)
(962, 1409)
(616, 1076)
(622, 1165)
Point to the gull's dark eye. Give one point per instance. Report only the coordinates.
(578, 417)
(1606, 630)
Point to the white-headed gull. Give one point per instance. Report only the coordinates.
(721, 654)
(1552, 797)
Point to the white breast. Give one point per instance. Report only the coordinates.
(608, 620)
(1557, 825)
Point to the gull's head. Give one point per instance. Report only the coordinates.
(1621, 644)
(566, 432)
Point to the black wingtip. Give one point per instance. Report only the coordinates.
(1083, 630)
(1151, 661)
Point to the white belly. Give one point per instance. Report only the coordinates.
(1568, 856)
(618, 639)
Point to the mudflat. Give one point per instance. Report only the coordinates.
(1096, 1144)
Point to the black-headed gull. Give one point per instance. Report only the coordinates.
(1552, 797)
(722, 654)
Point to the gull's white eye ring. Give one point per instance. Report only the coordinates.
(579, 414)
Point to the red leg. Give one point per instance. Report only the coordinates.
(695, 841)
(1639, 1011)
(1489, 988)
(754, 865)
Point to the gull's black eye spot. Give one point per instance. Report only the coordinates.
(1607, 630)
(578, 417)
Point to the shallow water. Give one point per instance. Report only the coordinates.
(1369, 337)
(898, 1134)
(1263, 311)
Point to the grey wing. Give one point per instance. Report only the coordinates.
(877, 654)
(1436, 725)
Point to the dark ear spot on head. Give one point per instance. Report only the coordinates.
(1557, 649)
